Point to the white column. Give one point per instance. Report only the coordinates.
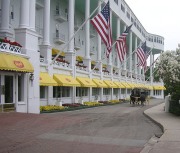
(99, 40)
(151, 68)
(130, 52)
(87, 29)
(139, 68)
(110, 55)
(135, 58)
(32, 14)
(99, 56)
(70, 54)
(118, 35)
(151, 74)
(71, 25)
(99, 49)
(46, 22)
(124, 62)
(24, 14)
(5, 4)
(143, 72)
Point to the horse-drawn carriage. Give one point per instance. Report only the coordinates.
(138, 96)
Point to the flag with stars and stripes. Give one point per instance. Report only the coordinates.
(101, 23)
(121, 46)
(142, 55)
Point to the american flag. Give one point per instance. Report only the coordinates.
(101, 23)
(142, 55)
(121, 46)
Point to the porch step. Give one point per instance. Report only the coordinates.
(7, 108)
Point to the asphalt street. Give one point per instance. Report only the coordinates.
(118, 128)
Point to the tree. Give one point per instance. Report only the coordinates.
(169, 71)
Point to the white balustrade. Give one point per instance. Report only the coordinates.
(12, 48)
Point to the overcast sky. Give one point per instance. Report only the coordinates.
(161, 17)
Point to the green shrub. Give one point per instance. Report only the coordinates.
(174, 107)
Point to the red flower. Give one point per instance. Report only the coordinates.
(15, 44)
(5, 40)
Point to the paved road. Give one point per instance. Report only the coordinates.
(109, 129)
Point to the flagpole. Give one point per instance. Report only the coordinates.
(128, 57)
(76, 33)
(111, 48)
(147, 54)
(104, 55)
(150, 76)
(152, 63)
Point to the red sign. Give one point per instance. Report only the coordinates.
(68, 80)
(87, 81)
(19, 64)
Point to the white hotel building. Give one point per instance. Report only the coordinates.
(28, 76)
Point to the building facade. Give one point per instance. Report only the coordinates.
(34, 32)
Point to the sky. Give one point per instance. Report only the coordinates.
(161, 17)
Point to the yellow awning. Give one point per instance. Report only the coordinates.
(93, 62)
(110, 84)
(143, 86)
(164, 88)
(159, 87)
(100, 83)
(104, 65)
(126, 85)
(46, 80)
(86, 82)
(156, 88)
(79, 58)
(56, 51)
(131, 85)
(119, 84)
(65, 80)
(11, 62)
(150, 87)
(138, 85)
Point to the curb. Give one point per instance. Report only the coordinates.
(149, 145)
(157, 123)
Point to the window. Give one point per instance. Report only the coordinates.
(42, 92)
(59, 92)
(122, 8)
(137, 26)
(80, 92)
(57, 9)
(122, 91)
(128, 15)
(154, 39)
(12, 12)
(115, 91)
(132, 20)
(128, 91)
(106, 91)
(116, 1)
(95, 91)
(57, 30)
